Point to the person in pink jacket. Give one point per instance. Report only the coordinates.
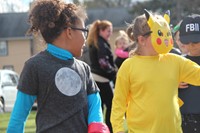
(121, 48)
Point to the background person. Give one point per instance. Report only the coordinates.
(183, 48)
(176, 33)
(102, 64)
(121, 48)
(190, 38)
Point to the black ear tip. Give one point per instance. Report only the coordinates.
(168, 12)
(146, 13)
(145, 10)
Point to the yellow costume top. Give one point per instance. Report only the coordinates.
(147, 90)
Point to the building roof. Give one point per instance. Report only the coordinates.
(14, 25)
(118, 16)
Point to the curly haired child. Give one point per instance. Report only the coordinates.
(67, 96)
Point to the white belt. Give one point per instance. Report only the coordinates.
(99, 78)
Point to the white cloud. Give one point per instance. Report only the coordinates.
(14, 6)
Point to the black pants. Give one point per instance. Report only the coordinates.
(106, 94)
(191, 123)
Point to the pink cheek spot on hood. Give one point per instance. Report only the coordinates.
(166, 42)
(159, 41)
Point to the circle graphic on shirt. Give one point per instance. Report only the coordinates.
(68, 81)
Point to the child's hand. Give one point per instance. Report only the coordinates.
(183, 85)
(98, 127)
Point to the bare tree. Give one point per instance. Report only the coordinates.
(106, 3)
(178, 8)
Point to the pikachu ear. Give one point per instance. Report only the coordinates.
(147, 14)
(149, 18)
(167, 16)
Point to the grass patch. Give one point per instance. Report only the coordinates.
(30, 124)
(125, 123)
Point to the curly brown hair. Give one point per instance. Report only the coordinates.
(49, 17)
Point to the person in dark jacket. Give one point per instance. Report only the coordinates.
(190, 37)
(102, 62)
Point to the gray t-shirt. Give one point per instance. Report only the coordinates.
(61, 88)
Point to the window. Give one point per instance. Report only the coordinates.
(10, 79)
(3, 48)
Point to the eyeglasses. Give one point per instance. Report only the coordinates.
(147, 33)
(84, 30)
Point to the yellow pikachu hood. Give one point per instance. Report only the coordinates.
(161, 36)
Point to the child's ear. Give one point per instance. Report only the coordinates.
(141, 39)
(68, 33)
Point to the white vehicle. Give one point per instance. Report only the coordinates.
(8, 89)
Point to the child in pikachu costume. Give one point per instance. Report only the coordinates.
(146, 87)
(160, 46)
